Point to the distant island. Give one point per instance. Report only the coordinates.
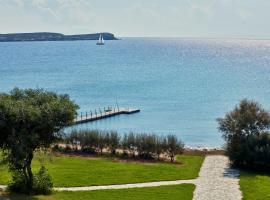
(48, 36)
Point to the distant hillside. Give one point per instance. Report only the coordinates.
(46, 36)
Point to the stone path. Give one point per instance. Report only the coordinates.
(216, 181)
(126, 186)
(3, 187)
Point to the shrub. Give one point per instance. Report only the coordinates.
(173, 146)
(245, 132)
(160, 144)
(42, 182)
(31, 119)
(146, 146)
(67, 148)
(129, 143)
(102, 141)
(19, 183)
(113, 140)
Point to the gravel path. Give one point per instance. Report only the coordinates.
(217, 180)
(3, 187)
(126, 186)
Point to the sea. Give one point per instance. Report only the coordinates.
(181, 85)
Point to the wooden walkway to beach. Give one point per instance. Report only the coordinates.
(97, 115)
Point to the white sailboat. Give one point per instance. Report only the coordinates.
(100, 40)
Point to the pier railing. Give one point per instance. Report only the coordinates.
(99, 113)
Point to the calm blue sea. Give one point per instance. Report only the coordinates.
(180, 85)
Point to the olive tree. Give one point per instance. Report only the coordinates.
(173, 146)
(245, 132)
(129, 143)
(113, 141)
(31, 119)
(160, 145)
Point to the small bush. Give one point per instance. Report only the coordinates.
(113, 140)
(56, 147)
(19, 184)
(173, 146)
(129, 143)
(42, 182)
(144, 146)
(160, 144)
(245, 130)
(68, 149)
(89, 150)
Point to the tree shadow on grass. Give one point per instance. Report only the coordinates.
(249, 173)
(14, 196)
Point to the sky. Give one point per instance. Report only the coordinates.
(140, 18)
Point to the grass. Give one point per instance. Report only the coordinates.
(255, 186)
(176, 192)
(74, 171)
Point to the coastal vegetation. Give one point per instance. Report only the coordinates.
(37, 155)
(142, 146)
(245, 130)
(47, 36)
(30, 120)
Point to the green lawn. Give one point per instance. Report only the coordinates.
(255, 186)
(176, 192)
(68, 171)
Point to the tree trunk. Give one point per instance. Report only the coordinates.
(25, 173)
(30, 176)
(172, 158)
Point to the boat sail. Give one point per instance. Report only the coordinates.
(100, 40)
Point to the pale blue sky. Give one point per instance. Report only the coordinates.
(147, 18)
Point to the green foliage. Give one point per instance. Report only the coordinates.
(129, 143)
(19, 183)
(160, 146)
(146, 146)
(29, 120)
(42, 182)
(245, 131)
(173, 146)
(113, 140)
(102, 141)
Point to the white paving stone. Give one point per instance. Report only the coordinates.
(217, 181)
(3, 187)
(126, 186)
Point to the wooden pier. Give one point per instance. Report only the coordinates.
(97, 115)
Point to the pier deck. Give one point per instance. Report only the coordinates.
(105, 114)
